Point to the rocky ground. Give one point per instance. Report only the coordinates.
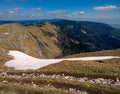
(110, 82)
(40, 86)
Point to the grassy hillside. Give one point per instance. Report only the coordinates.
(60, 86)
(63, 38)
(97, 53)
(104, 68)
(108, 69)
(29, 39)
(46, 41)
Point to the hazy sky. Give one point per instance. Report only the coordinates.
(93, 10)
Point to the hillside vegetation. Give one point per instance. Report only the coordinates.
(61, 39)
(39, 42)
(58, 38)
(21, 83)
(97, 53)
(89, 36)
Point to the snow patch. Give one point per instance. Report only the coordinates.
(22, 61)
(7, 33)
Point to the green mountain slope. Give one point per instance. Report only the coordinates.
(58, 38)
(31, 40)
(90, 36)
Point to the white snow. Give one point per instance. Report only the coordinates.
(22, 61)
(7, 33)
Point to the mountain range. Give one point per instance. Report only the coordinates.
(57, 38)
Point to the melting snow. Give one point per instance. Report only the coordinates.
(22, 61)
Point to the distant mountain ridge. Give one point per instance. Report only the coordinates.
(90, 36)
(25, 22)
(29, 22)
(57, 38)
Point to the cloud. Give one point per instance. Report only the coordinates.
(78, 12)
(81, 12)
(36, 9)
(57, 12)
(11, 12)
(104, 8)
(15, 11)
(75, 13)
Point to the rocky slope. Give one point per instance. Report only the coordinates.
(42, 41)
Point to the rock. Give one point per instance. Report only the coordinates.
(91, 81)
(84, 92)
(117, 83)
(97, 81)
(32, 75)
(109, 81)
(71, 89)
(104, 82)
(101, 79)
(53, 76)
(100, 61)
(4, 81)
(117, 80)
(78, 91)
(3, 74)
(42, 75)
(63, 74)
(85, 78)
(66, 77)
(82, 80)
(33, 84)
(23, 74)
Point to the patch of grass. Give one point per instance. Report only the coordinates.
(66, 84)
(4, 59)
(3, 92)
(106, 69)
(91, 69)
(115, 52)
(19, 89)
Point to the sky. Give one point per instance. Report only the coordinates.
(107, 11)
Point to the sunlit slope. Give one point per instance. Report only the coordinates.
(97, 53)
(95, 68)
(30, 39)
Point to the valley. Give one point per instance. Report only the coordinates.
(59, 57)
